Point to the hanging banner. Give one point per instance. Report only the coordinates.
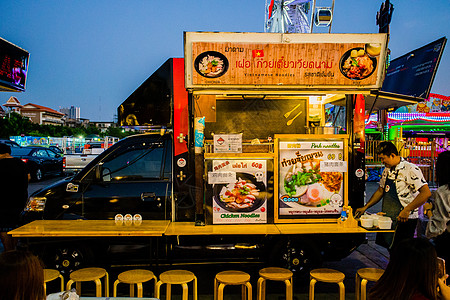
(310, 61)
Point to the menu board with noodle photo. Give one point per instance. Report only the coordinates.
(311, 178)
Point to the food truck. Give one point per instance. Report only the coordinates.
(236, 155)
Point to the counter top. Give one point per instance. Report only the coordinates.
(102, 228)
(89, 228)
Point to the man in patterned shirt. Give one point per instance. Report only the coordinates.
(403, 189)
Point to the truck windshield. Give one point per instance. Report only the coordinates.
(136, 162)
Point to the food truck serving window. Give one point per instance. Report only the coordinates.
(13, 67)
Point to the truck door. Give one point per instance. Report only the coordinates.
(134, 179)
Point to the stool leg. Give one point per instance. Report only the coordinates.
(107, 284)
(139, 290)
(249, 290)
(45, 289)
(69, 286)
(62, 282)
(243, 292)
(78, 287)
(216, 286)
(264, 289)
(220, 291)
(195, 288)
(115, 288)
(311, 288)
(131, 290)
(185, 291)
(154, 286)
(341, 291)
(98, 288)
(288, 289)
(357, 287)
(158, 289)
(168, 291)
(259, 289)
(363, 289)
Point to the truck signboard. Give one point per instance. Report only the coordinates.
(277, 61)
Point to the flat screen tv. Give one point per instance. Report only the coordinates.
(413, 73)
(13, 67)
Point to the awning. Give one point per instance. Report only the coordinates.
(378, 100)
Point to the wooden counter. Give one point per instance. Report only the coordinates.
(102, 228)
(89, 228)
(188, 228)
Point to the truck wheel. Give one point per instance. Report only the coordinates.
(299, 256)
(68, 258)
(38, 174)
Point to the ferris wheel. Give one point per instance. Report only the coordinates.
(297, 16)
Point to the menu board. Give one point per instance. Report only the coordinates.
(311, 178)
(239, 191)
(412, 74)
(13, 66)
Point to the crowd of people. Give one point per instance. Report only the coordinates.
(412, 272)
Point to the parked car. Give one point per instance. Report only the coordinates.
(40, 161)
(9, 143)
(56, 149)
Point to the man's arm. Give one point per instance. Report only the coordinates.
(421, 198)
(376, 197)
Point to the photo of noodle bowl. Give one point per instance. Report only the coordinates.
(311, 187)
(357, 64)
(244, 195)
(211, 64)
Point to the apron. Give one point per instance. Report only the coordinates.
(392, 207)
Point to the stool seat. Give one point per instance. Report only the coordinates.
(232, 277)
(51, 274)
(177, 276)
(182, 277)
(327, 275)
(136, 276)
(370, 274)
(275, 274)
(362, 277)
(132, 277)
(89, 274)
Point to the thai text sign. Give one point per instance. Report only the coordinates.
(327, 62)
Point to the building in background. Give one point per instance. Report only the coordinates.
(103, 126)
(42, 115)
(71, 113)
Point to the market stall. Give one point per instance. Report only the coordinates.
(261, 101)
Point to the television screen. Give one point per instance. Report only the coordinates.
(413, 73)
(13, 67)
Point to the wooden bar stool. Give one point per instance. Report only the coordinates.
(232, 277)
(327, 275)
(133, 277)
(362, 277)
(276, 274)
(89, 274)
(176, 277)
(51, 274)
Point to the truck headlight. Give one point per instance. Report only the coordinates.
(36, 204)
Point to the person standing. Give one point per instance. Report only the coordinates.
(403, 189)
(438, 227)
(14, 179)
